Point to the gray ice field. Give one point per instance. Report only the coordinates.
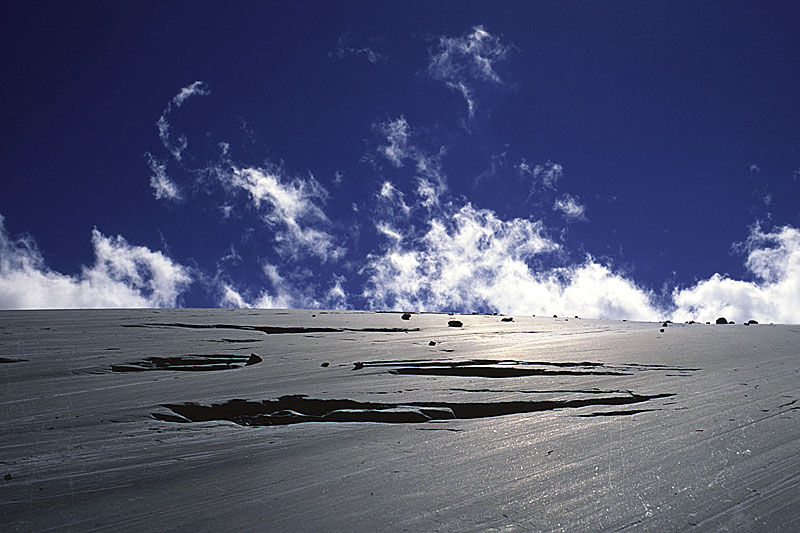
(355, 421)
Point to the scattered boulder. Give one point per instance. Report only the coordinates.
(507, 319)
(661, 330)
(751, 321)
(325, 365)
(406, 316)
(358, 366)
(455, 324)
(721, 320)
(432, 343)
(8, 477)
(576, 316)
(555, 316)
(664, 325)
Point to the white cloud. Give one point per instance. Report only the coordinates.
(177, 146)
(460, 62)
(396, 150)
(291, 206)
(774, 259)
(336, 298)
(395, 198)
(162, 185)
(388, 231)
(440, 269)
(428, 193)
(524, 168)
(283, 295)
(473, 260)
(571, 208)
(230, 297)
(548, 174)
(469, 259)
(430, 179)
(123, 275)
(198, 88)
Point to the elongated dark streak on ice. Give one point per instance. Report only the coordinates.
(11, 360)
(297, 408)
(190, 363)
(270, 330)
(623, 412)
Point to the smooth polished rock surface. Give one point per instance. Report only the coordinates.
(285, 421)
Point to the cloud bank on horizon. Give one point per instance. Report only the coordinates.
(413, 240)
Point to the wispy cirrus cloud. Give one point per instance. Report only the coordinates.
(123, 275)
(464, 62)
(163, 187)
(291, 206)
(283, 294)
(546, 175)
(570, 208)
(345, 46)
(399, 149)
(176, 146)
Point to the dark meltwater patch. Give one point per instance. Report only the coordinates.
(296, 409)
(269, 330)
(624, 412)
(190, 363)
(507, 368)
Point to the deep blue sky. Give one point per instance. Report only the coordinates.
(676, 125)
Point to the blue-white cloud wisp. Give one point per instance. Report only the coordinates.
(164, 187)
(468, 62)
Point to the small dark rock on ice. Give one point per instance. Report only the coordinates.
(721, 320)
(406, 316)
(455, 324)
